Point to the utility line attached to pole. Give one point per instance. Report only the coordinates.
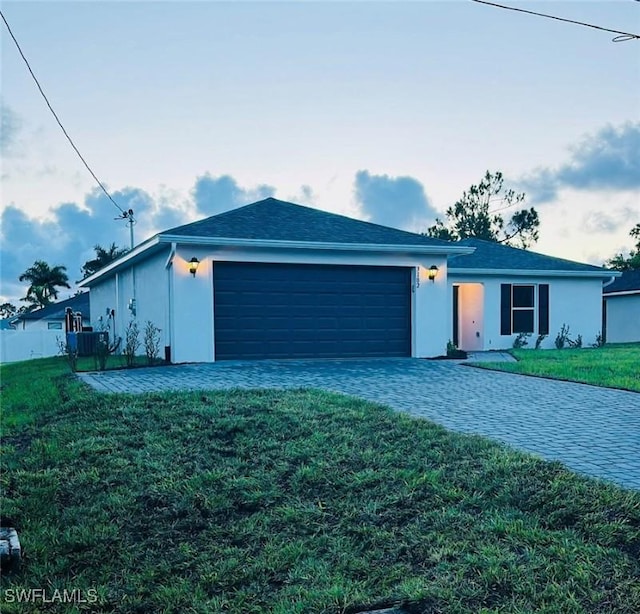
(127, 215)
(622, 36)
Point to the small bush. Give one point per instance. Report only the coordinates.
(521, 340)
(562, 337)
(132, 343)
(151, 341)
(70, 353)
(599, 341)
(454, 352)
(539, 341)
(577, 343)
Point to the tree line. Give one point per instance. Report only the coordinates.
(45, 280)
(478, 213)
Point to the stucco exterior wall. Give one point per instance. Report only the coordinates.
(576, 302)
(147, 282)
(33, 325)
(623, 318)
(192, 308)
(43, 324)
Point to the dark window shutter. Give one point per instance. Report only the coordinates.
(505, 309)
(543, 309)
(456, 315)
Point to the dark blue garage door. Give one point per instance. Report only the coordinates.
(310, 311)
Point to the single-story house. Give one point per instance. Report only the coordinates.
(52, 317)
(621, 306)
(278, 280)
(500, 291)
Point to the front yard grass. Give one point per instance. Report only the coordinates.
(614, 366)
(295, 502)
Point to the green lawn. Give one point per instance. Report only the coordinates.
(616, 366)
(301, 502)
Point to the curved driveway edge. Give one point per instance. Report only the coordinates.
(595, 431)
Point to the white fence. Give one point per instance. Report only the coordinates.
(18, 345)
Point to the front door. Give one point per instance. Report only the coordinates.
(468, 305)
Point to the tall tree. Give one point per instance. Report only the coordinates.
(477, 214)
(43, 283)
(632, 263)
(7, 310)
(102, 259)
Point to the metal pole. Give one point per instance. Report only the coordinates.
(131, 223)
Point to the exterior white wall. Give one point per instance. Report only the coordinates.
(34, 325)
(431, 321)
(18, 345)
(576, 302)
(623, 318)
(147, 282)
(192, 306)
(31, 325)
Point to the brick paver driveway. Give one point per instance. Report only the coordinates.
(592, 430)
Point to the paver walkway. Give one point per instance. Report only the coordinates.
(592, 430)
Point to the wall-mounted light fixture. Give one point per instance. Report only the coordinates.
(433, 272)
(193, 265)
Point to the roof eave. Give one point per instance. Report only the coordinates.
(621, 292)
(604, 274)
(366, 247)
(121, 262)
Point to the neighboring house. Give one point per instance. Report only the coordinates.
(278, 280)
(622, 308)
(500, 291)
(40, 333)
(52, 316)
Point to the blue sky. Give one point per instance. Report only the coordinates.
(385, 111)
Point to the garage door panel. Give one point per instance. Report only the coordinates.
(288, 311)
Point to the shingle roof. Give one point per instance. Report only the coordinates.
(276, 220)
(629, 281)
(489, 255)
(56, 310)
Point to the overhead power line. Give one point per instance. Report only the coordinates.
(622, 36)
(125, 214)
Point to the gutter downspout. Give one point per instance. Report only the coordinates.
(608, 283)
(168, 265)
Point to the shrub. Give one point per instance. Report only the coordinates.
(151, 341)
(132, 342)
(539, 341)
(521, 340)
(103, 348)
(454, 352)
(562, 337)
(70, 353)
(575, 344)
(599, 341)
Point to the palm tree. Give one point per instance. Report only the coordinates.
(102, 259)
(44, 281)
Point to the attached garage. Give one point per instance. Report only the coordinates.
(268, 310)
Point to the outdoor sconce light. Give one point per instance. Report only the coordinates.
(193, 265)
(433, 272)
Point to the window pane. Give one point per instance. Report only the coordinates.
(523, 321)
(523, 296)
(54, 325)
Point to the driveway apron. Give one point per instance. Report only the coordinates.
(592, 430)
